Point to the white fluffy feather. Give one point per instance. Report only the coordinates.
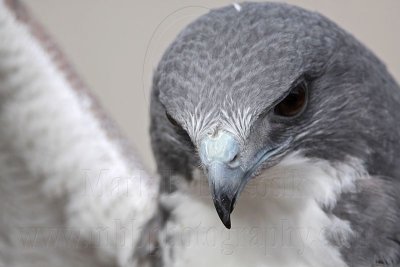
(58, 208)
(279, 219)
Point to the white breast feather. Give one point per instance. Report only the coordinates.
(277, 222)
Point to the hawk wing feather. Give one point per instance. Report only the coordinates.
(72, 191)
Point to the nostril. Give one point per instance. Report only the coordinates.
(234, 162)
(234, 158)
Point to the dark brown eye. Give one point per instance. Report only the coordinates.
(172, 120)
(293, 103)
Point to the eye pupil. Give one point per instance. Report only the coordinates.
(172, 120)
(293, 103)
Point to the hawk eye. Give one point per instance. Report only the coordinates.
(172, 120)
(184, 136)
(293, 103)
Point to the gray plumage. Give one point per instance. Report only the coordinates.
(215, 118)
(228, 69)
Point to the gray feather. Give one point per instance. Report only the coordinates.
(227, 62)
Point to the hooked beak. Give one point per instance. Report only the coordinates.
(226, 175)
(225, 185)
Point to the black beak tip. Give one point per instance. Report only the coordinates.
(227, 223)
(225, 218)
(224, 213)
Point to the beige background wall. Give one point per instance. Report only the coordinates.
(115, 45)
